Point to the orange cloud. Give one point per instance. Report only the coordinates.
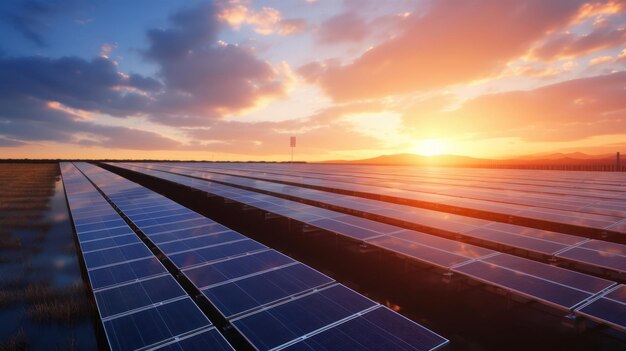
(266, 21)
(453, 43)
(568, 45)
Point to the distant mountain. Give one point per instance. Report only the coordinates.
(561, 155)
(412, 159)
(573, 158)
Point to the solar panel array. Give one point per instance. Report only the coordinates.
(272, 300)
(589, 208)
(140, 304)
(595, 254)
(554, 286)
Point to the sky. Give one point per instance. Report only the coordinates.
(350, 79)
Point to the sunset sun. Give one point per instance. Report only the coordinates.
(430, 147)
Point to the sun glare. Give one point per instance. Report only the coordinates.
(430, 147)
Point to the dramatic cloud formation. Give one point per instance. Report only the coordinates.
(568, 44)
(452, 43)
(371, 77)
(204, 76)
(199, 79)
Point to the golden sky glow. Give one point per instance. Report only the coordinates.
(234, 79)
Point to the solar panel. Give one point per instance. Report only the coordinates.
(209, 340)
(378, 329)
(128, 297)
(474, 197)
(237, 275)
(499, 234)
(234, 296)
(610, 308)
(555, 286)
(210, 274)
(150, 326)
(284, 323)
(139, 302)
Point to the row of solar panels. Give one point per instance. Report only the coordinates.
(272, 300)
(589, 253)
(558, 182)
(554, 286)
(592, 201)
(139, 302)
(546, 178)
(585, 212)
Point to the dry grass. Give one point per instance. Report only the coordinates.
(66, 311)
(48, 304)
(17, 342)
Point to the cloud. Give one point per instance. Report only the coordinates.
(566, 111)
(94, 85)
(318, 133)
(28, 17)
(4, 142)
(451, 43)
(198, 80)
(27, 119)
(344, 27)
(266, 21)
(568, 45)
(203, 76)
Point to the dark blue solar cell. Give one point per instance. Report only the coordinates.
(176, 226)
(344, 229)
(156, 214)
(255, 291)
(96, 219)
(109, 242)
(563, 276)
(154, 325)
(237, 267)
(154, 208)
(120, 273)
(127, 297)
(100, 225)
(116, 255)
(252, 263)
(208, 254)
(606, 259)
(285, 322)
(531, 286)
(198, 242)
(210, 340)
(379, 329)
(419, 252)
(188, 233)
(167, 219)
(106, 233)
(607, 310)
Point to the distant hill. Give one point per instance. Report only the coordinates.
(556, 159)
(413, 159)
(561, 155)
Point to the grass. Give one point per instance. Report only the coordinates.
(49, 304)
(19, 341)
(65, 311)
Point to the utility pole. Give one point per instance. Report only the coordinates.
(292, 144)
(618, 164)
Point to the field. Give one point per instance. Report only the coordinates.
(43, 301)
